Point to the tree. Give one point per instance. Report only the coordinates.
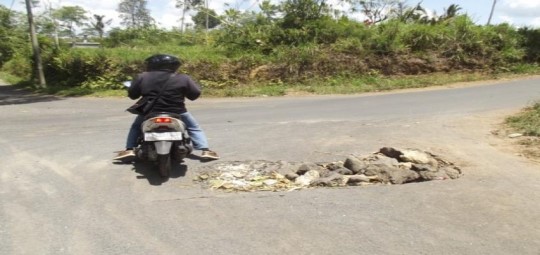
(10, 39)
(51, 24)
(300, 12)
(98, 25)
(268, 9)
(415, 14)
(69, 17)
(201, 21)
(378, 10)
(450, 12)
(6, 20)
(232, 17)
(186, 5)
(135, 14)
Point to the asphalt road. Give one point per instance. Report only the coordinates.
(61, 193)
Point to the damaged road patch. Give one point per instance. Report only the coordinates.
(387, 166)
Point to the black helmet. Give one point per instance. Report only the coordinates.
(162, 62)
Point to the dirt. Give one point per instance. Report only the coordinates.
(520, 145)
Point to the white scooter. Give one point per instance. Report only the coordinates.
(164, 138)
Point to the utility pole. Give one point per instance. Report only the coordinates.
(206, 6)
(35, 45)
(491, 13)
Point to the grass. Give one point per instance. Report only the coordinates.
(186, 53)
(80, 91)
(11, 79)
(359, 84)
(61, 91)
(320, 86)
(527, 122)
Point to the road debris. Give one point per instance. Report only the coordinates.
(387, 166)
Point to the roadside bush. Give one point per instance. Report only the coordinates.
(20, 65)
(12, 39)
(329, 31)
(10, 45)
(475, 47)
(531, 37)
(84, 67)
(107, 68)
(504, 47)
(264, 36)
(266, 47)
(141, 37)
(421, 37)
(247, 38)
(353, 46)
(388, 38)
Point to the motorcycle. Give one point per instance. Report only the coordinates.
(164, 138)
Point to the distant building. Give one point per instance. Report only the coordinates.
(85, 43)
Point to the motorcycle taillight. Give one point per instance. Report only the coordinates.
(162, 120)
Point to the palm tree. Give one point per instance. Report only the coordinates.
(99, 24)
(414, 14)
(451, 12)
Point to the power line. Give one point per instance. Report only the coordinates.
(11, 8)
(253, 4)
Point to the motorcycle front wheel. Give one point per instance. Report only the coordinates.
(164, 163)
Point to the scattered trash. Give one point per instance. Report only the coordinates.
(515, 135)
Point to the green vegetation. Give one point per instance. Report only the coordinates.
(527, 121)
(296, 47)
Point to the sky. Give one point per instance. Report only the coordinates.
(516, 12)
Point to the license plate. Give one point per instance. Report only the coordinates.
(165, 136)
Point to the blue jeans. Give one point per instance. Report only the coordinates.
(198, 138)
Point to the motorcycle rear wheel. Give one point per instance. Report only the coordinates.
(164, 163)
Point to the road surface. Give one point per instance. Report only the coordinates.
(61, 193)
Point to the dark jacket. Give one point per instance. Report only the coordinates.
(179, 87)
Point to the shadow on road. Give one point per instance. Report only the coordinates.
(14, 95)
(148, 170)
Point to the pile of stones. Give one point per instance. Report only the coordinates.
(386, 166)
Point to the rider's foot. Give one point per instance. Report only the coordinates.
(125, 155)
(208, 154)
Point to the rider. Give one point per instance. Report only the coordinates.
(160, 68)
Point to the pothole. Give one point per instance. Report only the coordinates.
(387, 166)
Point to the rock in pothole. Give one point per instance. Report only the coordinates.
(387, 166)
